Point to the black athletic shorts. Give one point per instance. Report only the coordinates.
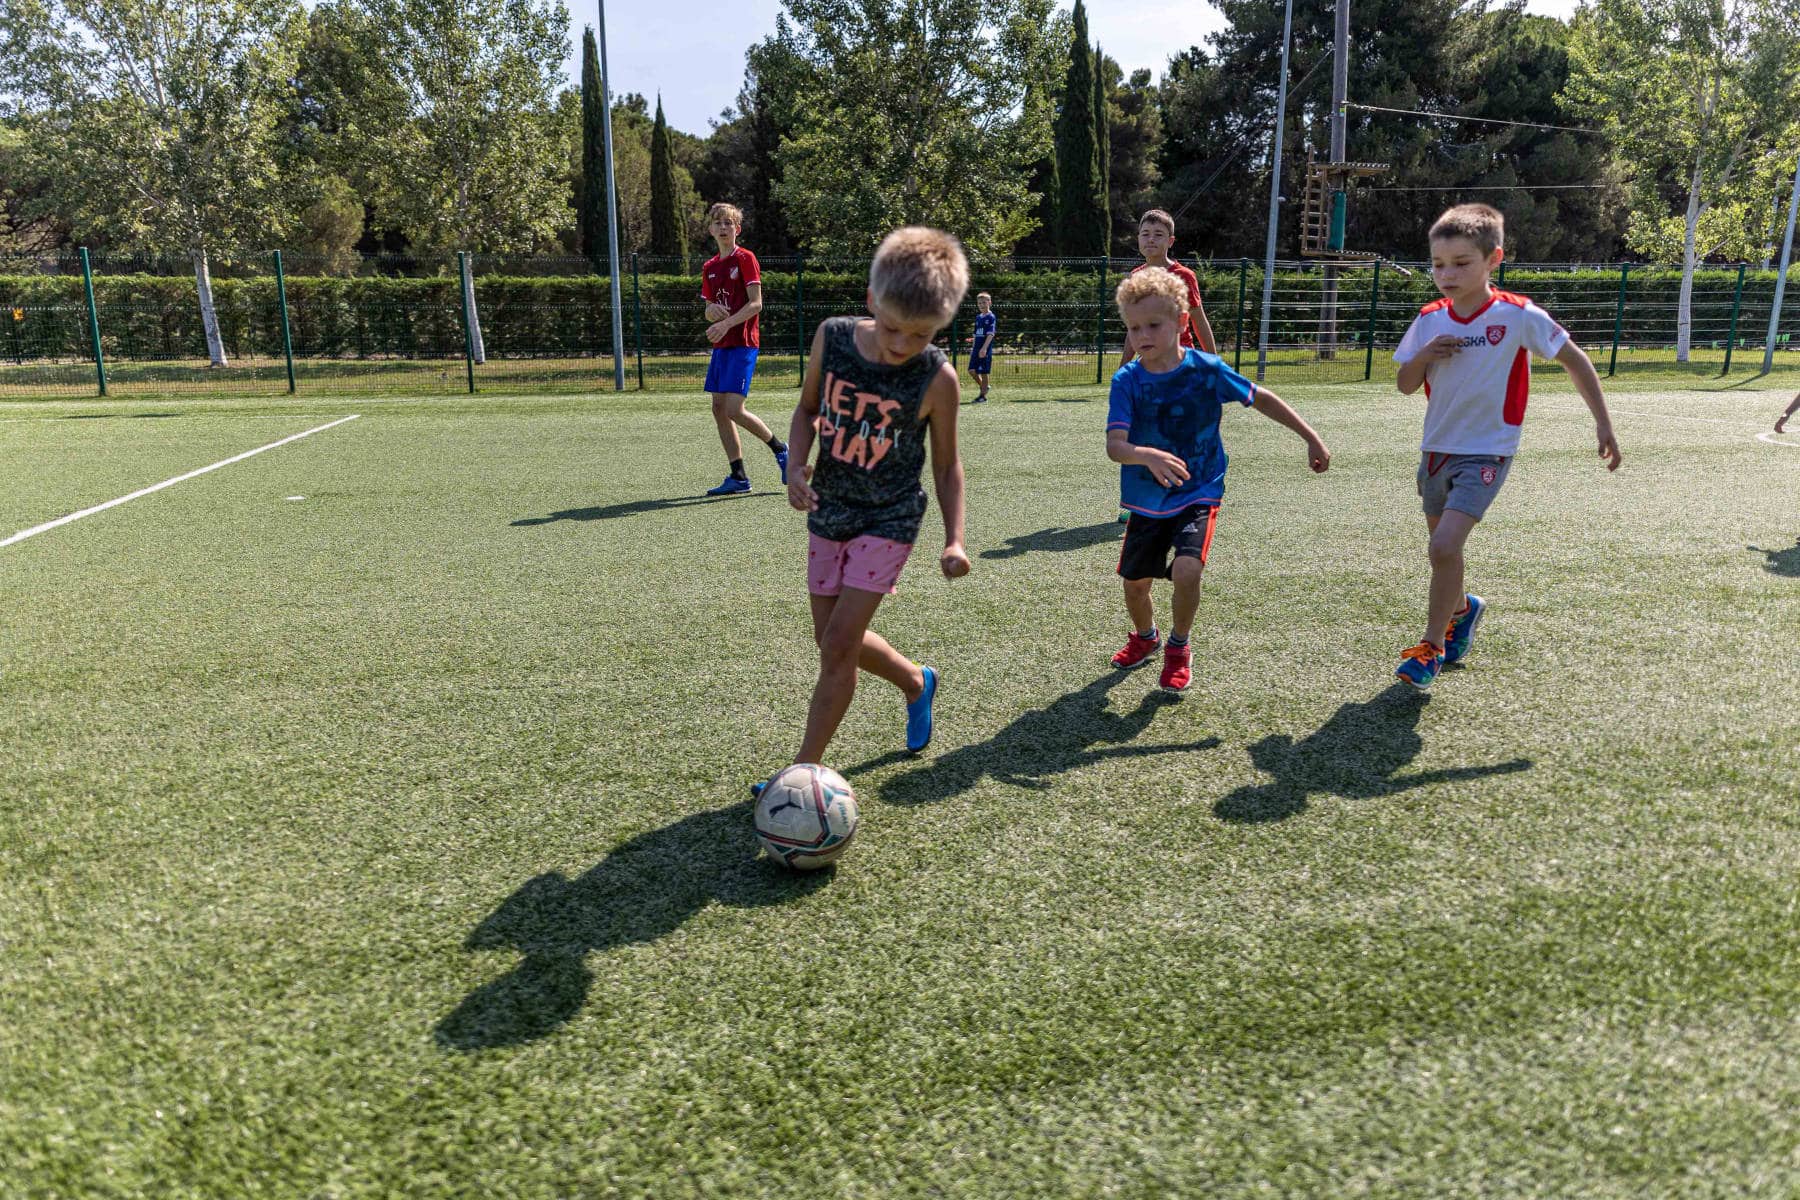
(1149, 540)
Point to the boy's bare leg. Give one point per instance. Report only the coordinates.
(725, 410)
(841, 627)
(1449, 532)
(1138, 605)
(1185, 575)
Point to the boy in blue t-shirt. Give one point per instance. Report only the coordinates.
(1163, 427)
(981, 354)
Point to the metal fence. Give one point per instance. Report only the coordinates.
(133, 327)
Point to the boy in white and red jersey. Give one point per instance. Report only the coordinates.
(1472, 352)
(731, 285)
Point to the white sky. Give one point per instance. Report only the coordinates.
(693, 53)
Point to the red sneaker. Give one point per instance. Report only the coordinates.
(1137, 649)
(1178, 662)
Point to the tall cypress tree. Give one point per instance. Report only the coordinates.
(1038, 110)
(1080, 229)
(665, 216)
(590, 218)
(1103, 152)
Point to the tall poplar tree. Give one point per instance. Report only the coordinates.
(665, 213)
(591, 217)
(1081, 228)
(1103, 150)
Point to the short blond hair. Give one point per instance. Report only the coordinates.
(1159, 217)
(1479, 223)
(919, 274)
(984, 296)
(730, 212)
(1152, 281)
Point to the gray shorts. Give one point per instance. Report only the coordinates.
(1466, 482)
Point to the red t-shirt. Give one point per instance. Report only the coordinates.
(1193, 286)
(725, 280)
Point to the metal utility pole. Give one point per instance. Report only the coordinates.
(612, 212)
(1262, 335)
(1340, 95)
(1787, 256)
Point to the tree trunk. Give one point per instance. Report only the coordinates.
(1684, 312)
(468, 286)
(209, 316)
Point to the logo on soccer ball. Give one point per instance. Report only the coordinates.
(1487, 476)
(1495, 333)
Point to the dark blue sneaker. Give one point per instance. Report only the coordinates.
(731, 487)
(1461, 634)
(1420, 665)
(781, 461)
(757, 789)
(918, 714)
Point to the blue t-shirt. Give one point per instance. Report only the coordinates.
(985, 325)
(1177, 411)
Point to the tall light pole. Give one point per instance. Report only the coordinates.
(1340, 94)
(1262, 337)
(612, 211)
(1787, 256)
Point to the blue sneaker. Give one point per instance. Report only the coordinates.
(1461, 634)
(1420, 665)
(918, 714)
(731, 487)
(759, 787)
(781, 461)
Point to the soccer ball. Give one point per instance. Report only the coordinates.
(806, 817)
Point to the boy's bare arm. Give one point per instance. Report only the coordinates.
(1587, 381)
(1781, 421)
(725, 325)
(802, 428)
(1318, 455)
(1203, 330)
(1166, 468)
(1412, 373)
(943, 400)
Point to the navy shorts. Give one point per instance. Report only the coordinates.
(983, 365)
(729, 372)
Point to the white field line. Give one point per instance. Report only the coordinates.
(1768, 435)
(1677, 417)
(141, 416)
(157, 487)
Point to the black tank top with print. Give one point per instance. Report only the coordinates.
(871, 440)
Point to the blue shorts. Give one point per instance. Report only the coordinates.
(983, 365)
(730, 370)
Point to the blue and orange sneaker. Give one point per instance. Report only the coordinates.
(1461, 634)
(918, 714)
(1420, 665)
(731, 487)
(781, 461)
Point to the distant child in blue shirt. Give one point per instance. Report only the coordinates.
(1163, 427)
(981, 354)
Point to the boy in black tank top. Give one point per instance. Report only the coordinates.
(877, 393)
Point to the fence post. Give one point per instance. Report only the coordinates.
(462, 268)
(953, 341)
(1243, 274)
(287, 337)
(1369, 336)
(87, 280)
(1100, 325)
(1501, 278)
(1619, 319)
(1736, 303)
(800, 313)
(637, 319)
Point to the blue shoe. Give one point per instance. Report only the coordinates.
(1420, 665)
(731, 487)
(781, 461)
(918, 714)
(758, 788)
(1461, 634)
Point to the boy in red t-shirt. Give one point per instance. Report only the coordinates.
(731, 285)
(1156, 237)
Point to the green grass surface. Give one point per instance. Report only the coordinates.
(392, 841)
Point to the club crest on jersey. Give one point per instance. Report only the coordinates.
(1496, 334)
(1488, 474)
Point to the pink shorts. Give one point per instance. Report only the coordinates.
(868, 564)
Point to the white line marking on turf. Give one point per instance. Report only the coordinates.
(157, 487)
(1676, 417)
(1769, 437)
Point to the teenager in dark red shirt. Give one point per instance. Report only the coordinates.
(731, 285)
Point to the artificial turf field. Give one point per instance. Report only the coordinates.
(394, 841)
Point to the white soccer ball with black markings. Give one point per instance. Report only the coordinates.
(806, 817)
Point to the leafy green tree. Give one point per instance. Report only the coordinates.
(666, 232)
(1103, 118)
(1134, 137)
(591, 220)
(466, 170)
(909, 112)
(741, 161)
(1696, 91)
(155, 123)
(1082, 227)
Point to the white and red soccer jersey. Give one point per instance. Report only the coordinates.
(1476, 397)
(726, 281)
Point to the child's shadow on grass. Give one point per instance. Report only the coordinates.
(1071, 731)
(1055, 539)
(640, 892)
(607, 512)
(1781, 562)
(1354, 755)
